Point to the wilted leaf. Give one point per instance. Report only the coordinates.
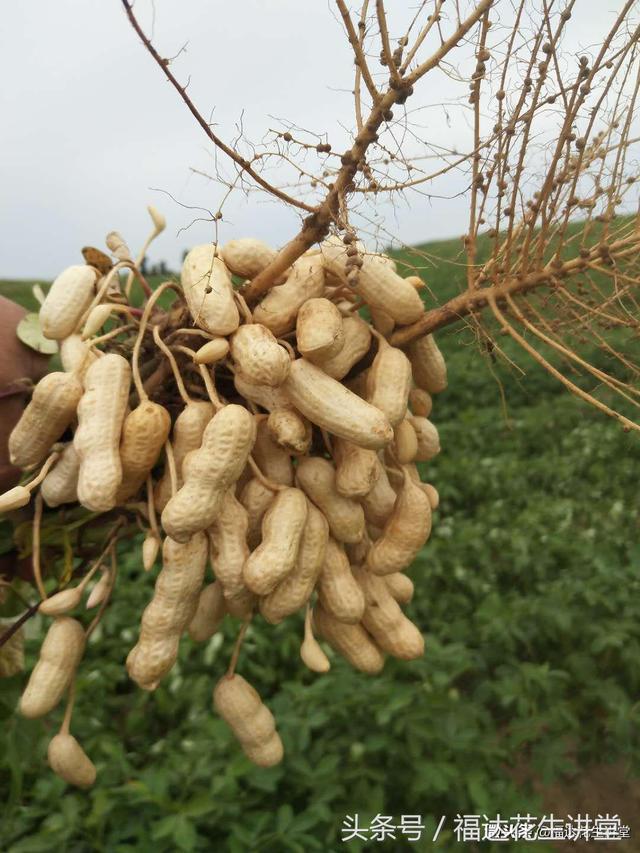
(12, 653)
(29, 332)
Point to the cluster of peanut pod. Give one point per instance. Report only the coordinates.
(276, 445)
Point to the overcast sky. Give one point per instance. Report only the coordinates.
(91, 131)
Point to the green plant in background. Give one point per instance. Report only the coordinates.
(527, 592)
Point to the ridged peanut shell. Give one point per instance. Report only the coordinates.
(357, 340)
(316, 476)
(60, 654)
(319, 329)
(209, 613)
(70, 762)
(279, 308)
(241, 707)
(67, 300)
(258, 356)
(208, 291)
(247, 257)
(144, 433)
(389, 383)
(350, 641)
(428, 365)
(60, 486)
(338, 591)
(384, 620)
(428, 438)
(357, 468)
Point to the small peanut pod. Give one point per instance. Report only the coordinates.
(290, 431)
(328, 404)
(67, 300)
(14, 498)
(228, 537)
(101, 413)
(279, 308)
(382, 288)
(209, 613)
(256, 498)
(350, 641)
(60, 655)
(62, 602)
(69, 761)
(420, 402)
(317, 478)
(208, 290)
(272, 459)
(271, 399)
(251, 721)
(187, 436)
(432, 493)
(319, 330)
(389, 383)
(212, 351)
(60, 486)
(246, 257)
(384, 620)
(76, 355)
(357, 340)
(338, 590)
(400, 586)
(428, 439)
(258, 356)
(295, 590)
(209, 471)
(427, 363)
(311, 651)
(379, 502)
(50, 411)
(405, 532)
(282, 528)
(405, 442)
(144, 434)
(174, 603)
(357, 468)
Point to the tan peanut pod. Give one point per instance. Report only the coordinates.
(171, 609)
(382, 322)
(357, 468)
(51, 409)
(99, 591)
(209, 471)
(338, 590)
(317, 478)
(432, 493)
(14, 498)
(60, 655)
(379, 502)
(258, 356)
(253, 724)
(405, 532)
(405, 442)
(357, 340)
(328, 404)
(416, 282)
(420, 402)
(144, 433)
(272, 459)
(67, 300)
(116, 244)
(357, 553)
(60, 486)
(350, 641)
(69, 761)
(295, 590)
(209, 613)
(256, 498)
(427, 363)
(389, 382)
(393, 632)
(76, 355)
(228, 537)
(383, 289)
(187, 436)
(246, 257)
(101, 413)
(290, 431)
(279, 308)
(212, 351)
(311, 652)
(98, 316)
(428, 438)
(400, 586)
(150, 548)
(268, 398)
(208, 290)
(282, 528)
(319, 330)
(62, 602)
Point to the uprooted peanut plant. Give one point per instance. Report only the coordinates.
(268, 421)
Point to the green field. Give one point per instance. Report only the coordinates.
(529, 597)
